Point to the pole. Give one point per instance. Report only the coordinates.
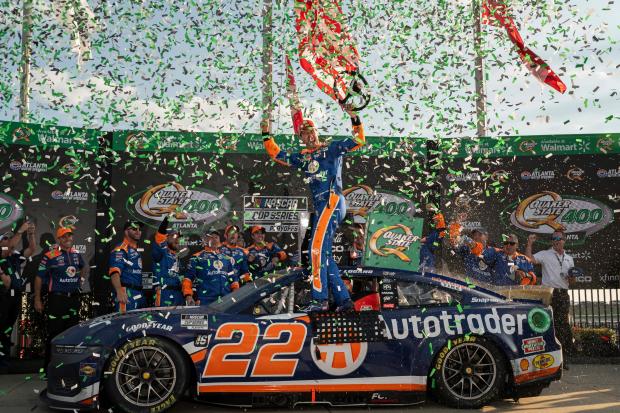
(267, 61)
(481, 123)
(24, 89)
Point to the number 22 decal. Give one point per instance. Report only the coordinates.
(219, 365)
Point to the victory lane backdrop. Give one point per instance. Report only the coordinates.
(547, 183)
(49, 179)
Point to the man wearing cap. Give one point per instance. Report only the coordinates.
(61, 272)
(126, 269)
(263, 256)
(556, 272)
(508, 267)
(212, 272)
(166, 267)
(322, 165)
(231, 247)
(11, 264)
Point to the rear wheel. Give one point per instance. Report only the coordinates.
(469, 373)
(147, 374)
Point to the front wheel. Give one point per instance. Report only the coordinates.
(145, 375)
(469, 373)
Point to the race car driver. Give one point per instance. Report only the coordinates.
(212, 272)
(263, 257)
(61, 272)
(166, 266)
(322, 165)
(508, 267)
(470, 249)
(231, 247)
(126, 269)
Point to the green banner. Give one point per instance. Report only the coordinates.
(393, 241)
(545, 145)
(169, 141)
(29, 134)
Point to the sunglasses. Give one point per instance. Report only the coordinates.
(510, 243)
(557, 238)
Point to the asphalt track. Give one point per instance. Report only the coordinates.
(584, 388)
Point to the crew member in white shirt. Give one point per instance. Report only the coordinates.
(556, 264)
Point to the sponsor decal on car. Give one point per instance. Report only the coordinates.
(547, 211)
(448, 284)
(88, 369)
(524, 364)
(543, 361)
(195, 321)
(147, 325)
(455, 324)
(533, 345)
(338, 359)
(190, 209)
(201, 340)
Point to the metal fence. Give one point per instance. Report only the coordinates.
(595, 308)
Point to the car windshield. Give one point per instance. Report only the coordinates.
(229, 300)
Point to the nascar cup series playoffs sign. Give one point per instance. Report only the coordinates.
(547, 211)
(190, 209)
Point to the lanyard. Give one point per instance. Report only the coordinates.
(559, 262)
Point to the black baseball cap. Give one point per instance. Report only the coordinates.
(134, 224)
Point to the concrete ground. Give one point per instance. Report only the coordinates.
(584, 388)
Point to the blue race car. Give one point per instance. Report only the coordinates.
(412, 336)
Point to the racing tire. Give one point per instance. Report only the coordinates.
(147, 374)
(469, 373)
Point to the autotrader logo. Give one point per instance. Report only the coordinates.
(338, 359)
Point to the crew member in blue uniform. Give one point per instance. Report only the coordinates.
(432, 241)
(210, 271)
(264, 257)
(470, 250)
(61, 273)
(126, 269)
(166, 266)
(322, 165)
(231, 247)
(508, 267)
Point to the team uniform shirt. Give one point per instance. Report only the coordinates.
(475, 267)
(427, 250)
(263, 255)
(503, 267)
(323, 169)
(240, 256)
(60, 270)
(213, 275)
(126, 260)
(12, 266)
(167, 272)
(554, 268)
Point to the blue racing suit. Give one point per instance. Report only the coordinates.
(262, 264)
(240, 256)
(212, 273)
(167, 274)
(125, 259)
(503, 267)
(475, 267)
(323, 169)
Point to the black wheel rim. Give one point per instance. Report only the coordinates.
(146, 376)
(469, 371)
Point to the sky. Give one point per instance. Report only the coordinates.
(166, 65)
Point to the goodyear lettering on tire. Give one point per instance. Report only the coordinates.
(444, 351)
